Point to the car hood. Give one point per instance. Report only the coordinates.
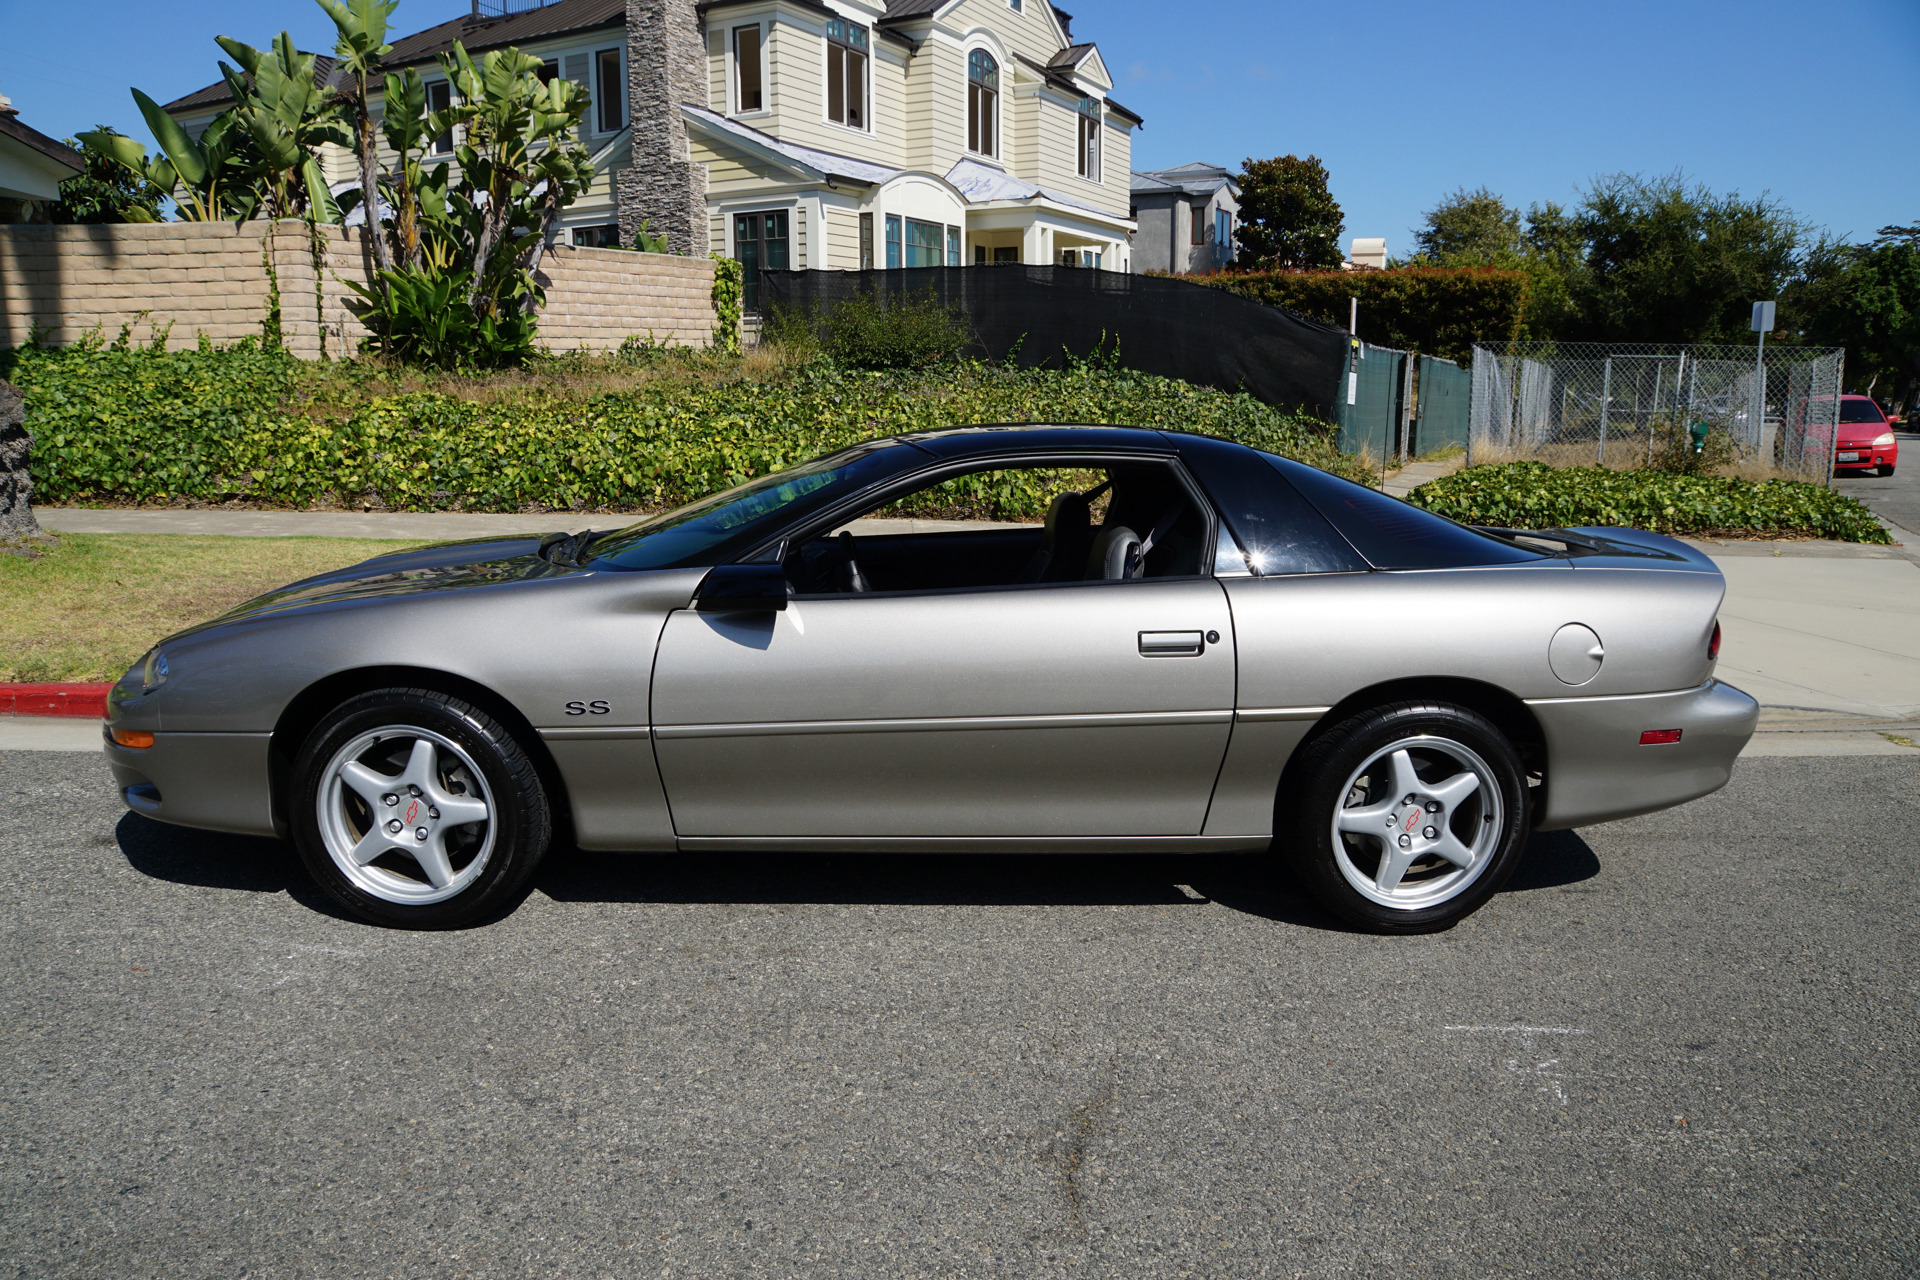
(445, 566)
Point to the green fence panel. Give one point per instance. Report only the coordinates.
(1446, 398)
(1370, 408)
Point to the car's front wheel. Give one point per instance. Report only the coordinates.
(1884, 469)
(416, 809)
(1405, 818)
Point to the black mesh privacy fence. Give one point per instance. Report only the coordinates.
(1042, 315)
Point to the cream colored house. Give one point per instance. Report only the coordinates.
(839, 134)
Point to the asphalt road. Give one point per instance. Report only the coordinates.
(1896, 497)
(1681, 1045)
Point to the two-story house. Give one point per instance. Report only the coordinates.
(1186, 218)
(818, 133)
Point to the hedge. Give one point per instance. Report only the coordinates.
(1441, 311)
(212, 426)
(1532, 495)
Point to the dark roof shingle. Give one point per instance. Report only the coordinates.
(554, 19)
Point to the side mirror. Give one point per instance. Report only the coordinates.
(742, 588)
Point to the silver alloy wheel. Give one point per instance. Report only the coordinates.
(417, 835)
(1419, 822)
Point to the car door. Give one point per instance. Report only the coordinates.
(1040, 711)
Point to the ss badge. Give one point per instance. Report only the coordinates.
(598, 707)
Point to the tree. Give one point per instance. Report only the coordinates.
(1469, 229)
(106, 192)
(1865, 298)
(287, 117)
(1479, 229)
(455, 259)
(1288, 217)
(1669, 263)
(362, 25)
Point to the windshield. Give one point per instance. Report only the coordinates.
(1860, 411)
(713, 529)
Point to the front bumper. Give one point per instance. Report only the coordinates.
(1597, 771)
(217, 781)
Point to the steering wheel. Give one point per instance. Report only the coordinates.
(856, 581)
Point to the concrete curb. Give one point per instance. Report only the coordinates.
(54, 699)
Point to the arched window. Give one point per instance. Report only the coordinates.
(983, 103)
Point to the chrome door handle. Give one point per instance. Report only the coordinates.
(1172, 644)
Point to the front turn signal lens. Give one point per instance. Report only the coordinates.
(133, 739)
(1659, 737)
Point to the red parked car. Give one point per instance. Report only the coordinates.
(1864, 440)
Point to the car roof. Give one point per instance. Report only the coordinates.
(985, 441)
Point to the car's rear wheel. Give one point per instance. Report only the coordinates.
(415, 809)
(1405, 818)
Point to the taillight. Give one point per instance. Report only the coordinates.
(1713, 645)
(1659, 737)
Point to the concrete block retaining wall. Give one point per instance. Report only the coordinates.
(214, 278)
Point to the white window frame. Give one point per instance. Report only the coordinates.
(999, 100)
(1088, 139)
(452, 134)
(594, 95)
(827, 45)
(734, 90)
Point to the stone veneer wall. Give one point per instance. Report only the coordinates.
(213, 278)
(666, 66)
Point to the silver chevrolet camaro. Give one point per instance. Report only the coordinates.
(1204, 648)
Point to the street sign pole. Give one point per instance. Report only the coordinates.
(1762, 325)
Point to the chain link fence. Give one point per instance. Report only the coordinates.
(1581, 404)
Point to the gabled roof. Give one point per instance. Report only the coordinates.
(1196, 179)
(555, 19)
(58, 152)
(1058, 77)
(806, 160)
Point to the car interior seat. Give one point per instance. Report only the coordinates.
(1064, 542)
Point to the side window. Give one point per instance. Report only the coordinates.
(1393, 534)
(983, 103)
(1011, 526)
(440, 98)
(846, 73)
(746, 69)
(610, 91)
(1278, 530)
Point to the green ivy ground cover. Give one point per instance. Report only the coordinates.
(141, 426)
(1531, 495)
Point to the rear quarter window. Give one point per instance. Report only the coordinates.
(1393, 534)
(1279, 530)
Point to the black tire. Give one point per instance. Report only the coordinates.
(510, 843)
(1884, 471)
(1317, 789)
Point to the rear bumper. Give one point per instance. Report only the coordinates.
(217, 781)
(1597, 771)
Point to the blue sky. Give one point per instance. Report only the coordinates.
(1816, 104)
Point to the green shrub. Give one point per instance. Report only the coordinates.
(422, 316)
(869, 332)
(146, 426)
(1673, 450)
(1441, 311)
(1532, 495)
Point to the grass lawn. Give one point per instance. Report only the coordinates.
(92, 604)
